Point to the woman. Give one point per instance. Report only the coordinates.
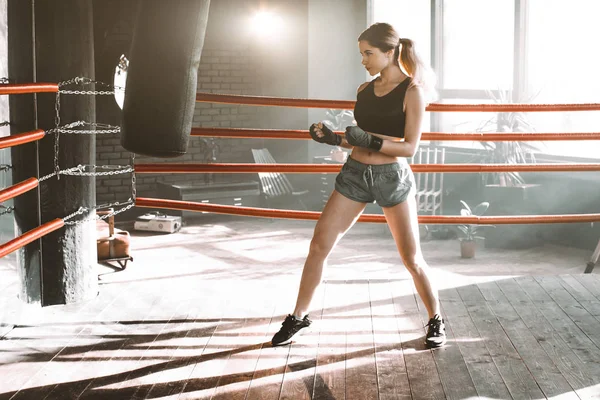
(390, 107)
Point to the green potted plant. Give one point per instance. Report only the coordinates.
(507, 152)
(468, 233)
(509, 192)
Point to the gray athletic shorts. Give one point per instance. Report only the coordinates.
(387, 184)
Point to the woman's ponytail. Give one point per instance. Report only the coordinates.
(412, 65)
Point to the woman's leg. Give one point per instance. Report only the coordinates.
(338, 216)
(403, 222)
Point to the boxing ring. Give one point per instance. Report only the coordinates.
(220, 350)
(224, 168)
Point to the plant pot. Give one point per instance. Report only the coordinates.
(467, 248)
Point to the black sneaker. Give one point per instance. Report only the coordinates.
(289, 328)
(436, 332)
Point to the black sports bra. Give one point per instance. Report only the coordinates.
(384, 115)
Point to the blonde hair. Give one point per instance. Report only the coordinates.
(385, 38)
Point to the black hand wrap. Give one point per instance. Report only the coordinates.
(357, 137)
(328, 136)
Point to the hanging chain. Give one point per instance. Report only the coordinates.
(115, 170)
(133, 179)
(87, 81)
(104, 128)
(80, 170)
(97, 128)
(76, 213)
(113, 204)
(87, 92)
(82, 210)
(57, 137)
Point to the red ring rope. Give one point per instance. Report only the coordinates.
(21, 138)
(349, 104)
(242, 133)
(334, 168)
(23, 88)
(30, 236)
(314, 215)
(18, 189)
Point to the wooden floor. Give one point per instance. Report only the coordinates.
(202, 332)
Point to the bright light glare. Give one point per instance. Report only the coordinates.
(266, 23)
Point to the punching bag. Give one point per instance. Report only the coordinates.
(160, 94)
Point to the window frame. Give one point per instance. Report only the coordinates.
(520, 71)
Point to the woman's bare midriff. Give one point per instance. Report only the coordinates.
(367, 156)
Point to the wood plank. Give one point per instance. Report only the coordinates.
(547, 336)
(162, 350)
(422, 372)
(76, 366)
(41, 335)
(237, 374)
(361, 373)
(330, 376)
(155, 354)
(392, 377)
(134, 314)
(299, 375)
(270, 367)
(582, 295)
(482, 369)
(587, 324)
(542, 367)
(206, 373)
(513, 370)
(591, 282)
(192, 348)
(140, 356)
(576, 339)
(454, 374)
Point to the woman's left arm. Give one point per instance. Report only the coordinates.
(415, 112)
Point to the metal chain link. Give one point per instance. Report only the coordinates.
(80, 171)
(87, 92)
(113, 204)
(133, 178)
(130, 204)
(57, 137)
(87, 81)
(80, 211)
(6, 210)
(45, 177)
(104, 128)
(80, 80)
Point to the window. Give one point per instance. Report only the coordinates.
(563, 64)
(411, 19)
(477, 53)
(477, 44)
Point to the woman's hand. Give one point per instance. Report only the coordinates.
(322, 134)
